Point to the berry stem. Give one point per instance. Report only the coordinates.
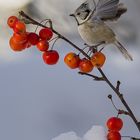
(111, 98)
(56, 39)
(120, 112)
(104, 77)
(45, 20)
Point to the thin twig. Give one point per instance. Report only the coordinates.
(92, 76)
(120, 111)
(118, 85)
(110, 97)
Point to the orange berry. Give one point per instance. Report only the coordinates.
(17, 46)
(98, 59)
(19, 27)
(72, 60)
(20, 38)
(12, 21)
(85, 65)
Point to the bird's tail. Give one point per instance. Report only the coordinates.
(124, 52)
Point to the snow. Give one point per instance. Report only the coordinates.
(95, 133)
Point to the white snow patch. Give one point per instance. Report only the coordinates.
(95, 133)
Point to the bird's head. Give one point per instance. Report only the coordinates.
(82, 12)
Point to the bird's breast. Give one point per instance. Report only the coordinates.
(95, 33)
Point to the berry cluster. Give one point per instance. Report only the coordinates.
(114, 125)
(73, 61)
(22, 39)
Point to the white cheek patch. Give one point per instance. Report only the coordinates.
(84, 15)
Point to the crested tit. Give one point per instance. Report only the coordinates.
(92, 25)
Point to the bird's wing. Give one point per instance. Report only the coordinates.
(106, 9)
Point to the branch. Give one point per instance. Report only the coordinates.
(103, 78)
(131, 138)
(92, 76)
(121, 98)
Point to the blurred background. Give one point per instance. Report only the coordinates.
(39, 101)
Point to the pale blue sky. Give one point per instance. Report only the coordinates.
(40, 102)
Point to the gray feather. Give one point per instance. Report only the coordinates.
(121, 10)
(124, 52)
(106, 9)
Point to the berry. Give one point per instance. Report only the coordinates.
(50, 57)
(46, 34)
(113, 135)
(85, 65)
(33, 38)
(42, 45)
(20, 38)
(98, 59)
(19, 27)
(114, 124)
(17, 46)
(12, 21)
(72, 60)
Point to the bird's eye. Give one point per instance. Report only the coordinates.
(87, 11)
(85, 4)
(78, 13)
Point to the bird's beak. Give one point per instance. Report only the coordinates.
(72, 15)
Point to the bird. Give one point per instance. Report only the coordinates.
(92, 23)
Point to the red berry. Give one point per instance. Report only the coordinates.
(72, 60)
(12, 21)
(113, 135)
(115, 124)
(42, 45)
(98, 59)
(46, 34)
(19, 27)
(33, 38)
(17, 46)
(50, 57)
(85, 65)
